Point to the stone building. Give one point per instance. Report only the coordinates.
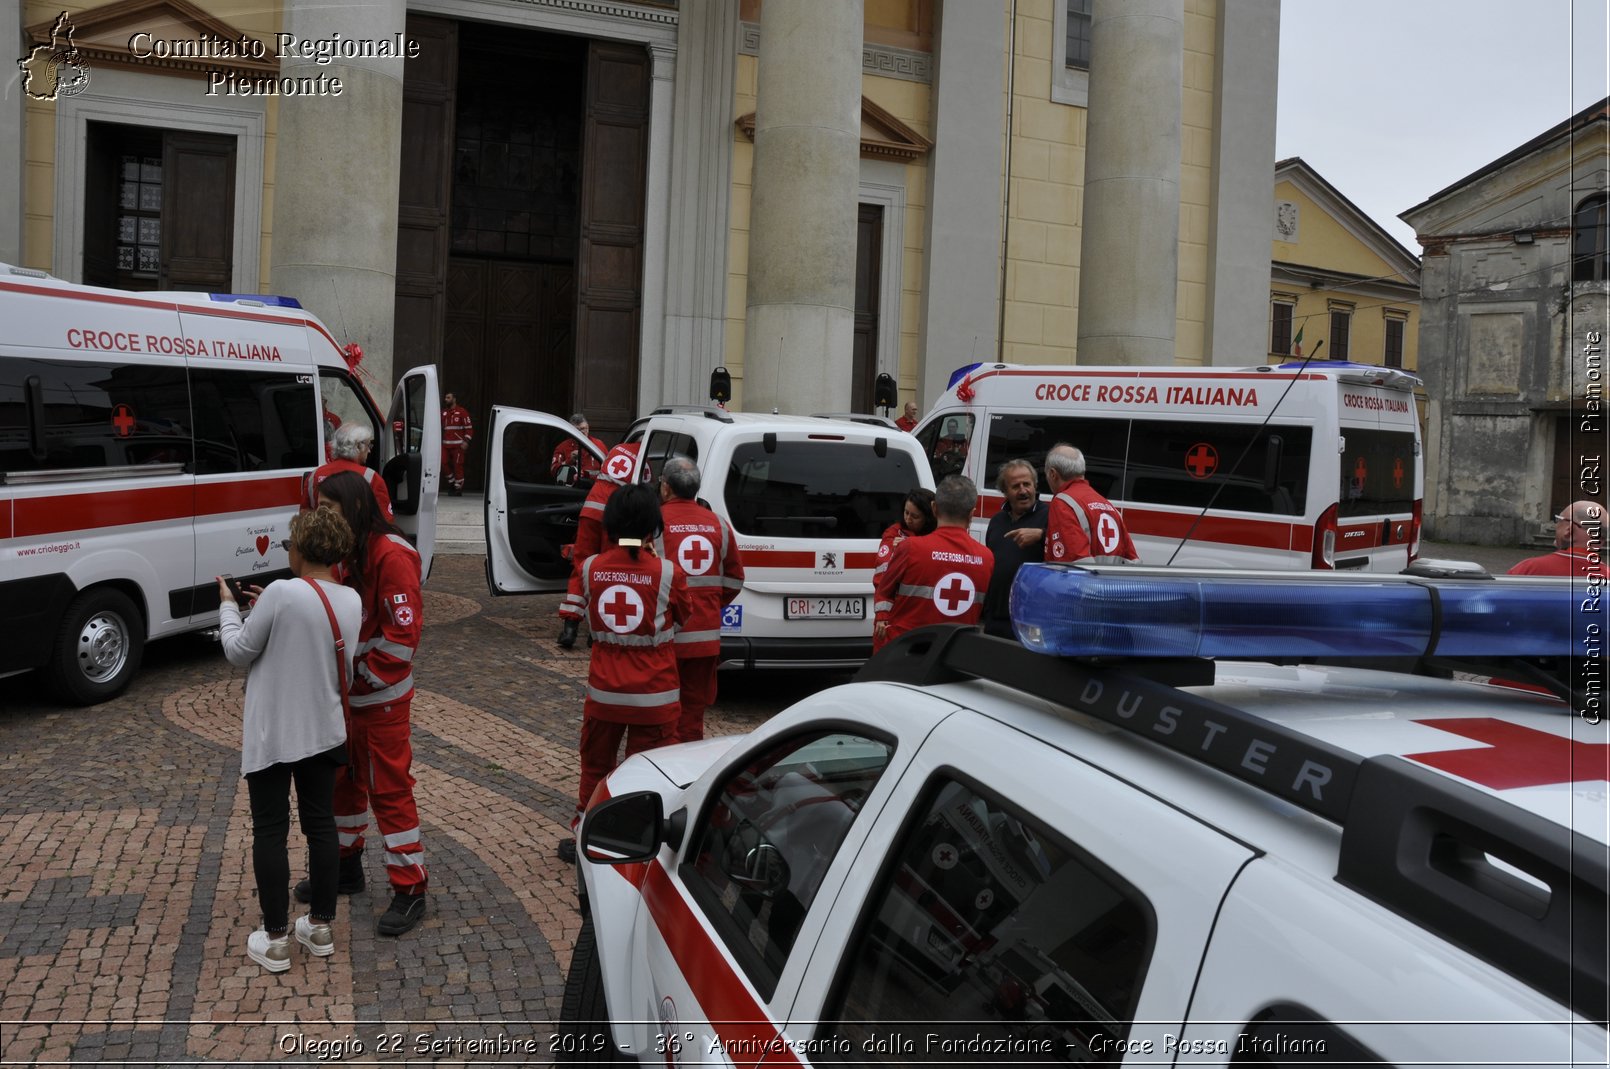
(593, 203)
(1513, 298)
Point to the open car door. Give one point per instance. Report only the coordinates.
(534, 491)
(413, 469)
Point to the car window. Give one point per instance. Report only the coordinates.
(817, 489)
(662, 444)
(254, 420)
(986, 925)
(945, 441)
(773, 830)
(342, 402)
(60, 414)
(1104, 443)
(1377, 472)
(1235, 466)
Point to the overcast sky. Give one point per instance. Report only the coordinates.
(1393, 100)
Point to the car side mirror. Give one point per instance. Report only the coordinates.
(630, 829)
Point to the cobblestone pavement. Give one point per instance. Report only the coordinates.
(128, 895)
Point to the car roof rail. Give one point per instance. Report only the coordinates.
(707, 411)
(1415, 841)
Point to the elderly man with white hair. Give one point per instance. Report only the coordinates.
(350, 447)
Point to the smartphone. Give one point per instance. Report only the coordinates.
(236, 589)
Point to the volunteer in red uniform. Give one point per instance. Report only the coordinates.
(704, 546)
(1084, 527)
(387, 570)
(635, 603)
(908, 419)
(1579, 541)
(590, 530)
(937, 578)
(570, 454)
(916, 518)
(457, 430)
(350, 447)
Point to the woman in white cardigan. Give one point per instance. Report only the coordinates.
(295, 726)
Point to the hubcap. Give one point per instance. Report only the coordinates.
(102, 647)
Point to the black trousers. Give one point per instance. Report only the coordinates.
(269, 790)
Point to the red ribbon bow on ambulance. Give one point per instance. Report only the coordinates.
(353, 352)
(964, 391)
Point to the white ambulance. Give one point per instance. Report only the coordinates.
(808, 498)
(152, 441)
(1314, 464)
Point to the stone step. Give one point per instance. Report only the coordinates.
(460, 524)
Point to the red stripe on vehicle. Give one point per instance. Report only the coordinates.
(788, 558)
(5, 519)
(1260, 534)
(62, 513)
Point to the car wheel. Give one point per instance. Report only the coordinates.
(584, 1033)
(98, 647)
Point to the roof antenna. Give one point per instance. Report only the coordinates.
(777, 379)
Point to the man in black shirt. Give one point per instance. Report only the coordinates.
(1016, 536)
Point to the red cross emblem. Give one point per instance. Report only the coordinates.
(1516, 756)
(1397, 473)
(695, 554)
(954, 594)
(123, 420)
(621, 608)
(1202, 460)
(1360, 470)
(620, 467)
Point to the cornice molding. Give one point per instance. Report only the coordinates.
(133, 16)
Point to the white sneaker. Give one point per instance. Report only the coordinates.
(272, 954)
(318, 938)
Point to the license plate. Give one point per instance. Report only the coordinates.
(824, 609)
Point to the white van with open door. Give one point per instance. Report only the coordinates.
(152, 441)
(809, 498)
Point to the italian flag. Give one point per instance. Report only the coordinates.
(1297, 343)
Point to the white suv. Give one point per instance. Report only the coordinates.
(978, 853)
(808, 497)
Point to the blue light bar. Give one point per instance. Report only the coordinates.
(1070, 611)
(260, 298)
(960, 374)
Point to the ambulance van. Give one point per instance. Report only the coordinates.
(808, 498)
(152, 441)
(1311, 464)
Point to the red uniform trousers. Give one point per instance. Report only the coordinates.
(453, 466)
(381, 753)
(600, 745)
(698, 676)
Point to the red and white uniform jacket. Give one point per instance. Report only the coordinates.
(705, 548)
(383, 669)
(590, 537)
(376, 483)
(570, 454)
(937, 578)
(1085, 527)
(1572, 561)
(893, 535)
(457, 430)
(634, 608)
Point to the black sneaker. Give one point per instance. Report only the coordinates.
(567, 851)
(567, 634)
(348, 882)
(405, 912)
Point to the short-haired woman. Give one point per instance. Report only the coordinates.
(294, 727)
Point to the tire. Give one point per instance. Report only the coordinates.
(98, 647)
(584, 1036)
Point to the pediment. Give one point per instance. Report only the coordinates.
(883, 137)
(116, 35)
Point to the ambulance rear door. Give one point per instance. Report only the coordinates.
(533, 500)
(413, 466)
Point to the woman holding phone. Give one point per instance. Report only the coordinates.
(294, 728)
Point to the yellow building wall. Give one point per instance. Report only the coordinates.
(39, 133)
(910, 103)
(1325, 244)
(1046, 186)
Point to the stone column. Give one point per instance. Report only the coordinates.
(962, 292)
(1241, 219)
(701, 190)
(335, 182)
(1129, 249)
(656, 219)
(12, 102)
(801, 317)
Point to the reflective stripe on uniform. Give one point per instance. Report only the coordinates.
(610, 638)
(385, 645)
(405, 861)
(595, 506)
(390, 694)
(696, 581)
(403, 838)
(698, 636)
(637, 701)
(906, 591)
(883, 606)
